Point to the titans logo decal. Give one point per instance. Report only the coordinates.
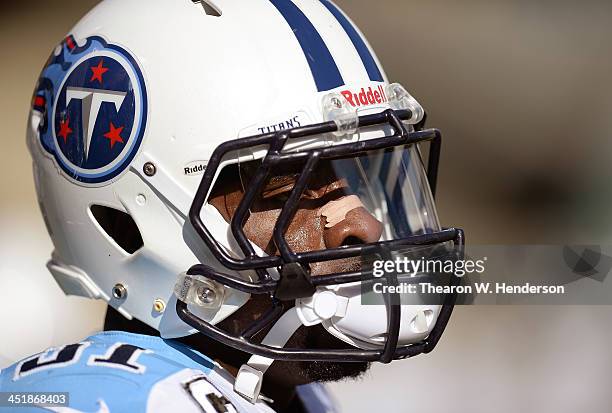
(93, 103)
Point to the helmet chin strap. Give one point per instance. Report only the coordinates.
(323, 305)
(250, 376)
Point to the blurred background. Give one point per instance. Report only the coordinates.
(522, 92)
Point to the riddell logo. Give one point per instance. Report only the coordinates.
(195, 168)
(366, 97)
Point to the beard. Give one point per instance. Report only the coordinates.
(317, 337)
(331, 371)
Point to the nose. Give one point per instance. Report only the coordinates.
(359, 227)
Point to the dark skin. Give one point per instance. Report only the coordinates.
(307, 232)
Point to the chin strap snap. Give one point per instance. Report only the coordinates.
(250, 376)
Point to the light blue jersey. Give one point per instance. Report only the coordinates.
(115, 372)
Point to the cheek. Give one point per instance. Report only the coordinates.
(305, 233)
(259, 227)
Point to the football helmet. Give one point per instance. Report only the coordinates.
(144, 105)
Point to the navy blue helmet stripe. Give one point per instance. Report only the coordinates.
(322, 64)
(366, 57)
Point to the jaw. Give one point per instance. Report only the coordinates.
(303, 372)
(318, 337)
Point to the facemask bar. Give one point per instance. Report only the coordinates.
(295, 281)
(389, 352)
(276, 142)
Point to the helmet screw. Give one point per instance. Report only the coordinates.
(159, 305)
(336, 102)
(119, 291)
(149, 169)
(206, 295)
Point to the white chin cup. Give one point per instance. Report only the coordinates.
(341, 312)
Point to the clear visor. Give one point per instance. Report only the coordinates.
(391, 185)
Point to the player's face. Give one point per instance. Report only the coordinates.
(328, 216)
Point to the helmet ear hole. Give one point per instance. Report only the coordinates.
(118, 226)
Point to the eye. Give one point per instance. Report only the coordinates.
(282, 197)
(281, 191)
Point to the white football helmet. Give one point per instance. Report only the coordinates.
(141, 107)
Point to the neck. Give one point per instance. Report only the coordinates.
(278, 387)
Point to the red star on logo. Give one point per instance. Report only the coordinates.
(98, 71)
(113, 135)
(65, 129)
